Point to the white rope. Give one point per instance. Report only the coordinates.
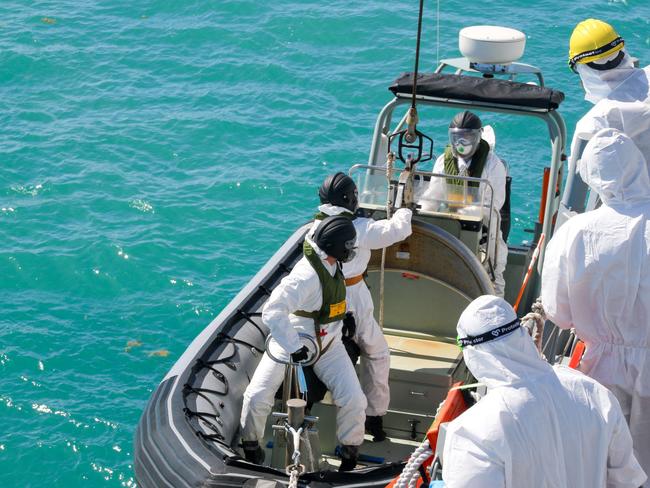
(411, 473)
(293, 478)
(418, 462)
(390, 159)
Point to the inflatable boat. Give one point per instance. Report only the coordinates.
(188, 434)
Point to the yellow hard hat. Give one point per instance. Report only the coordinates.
(591, 40)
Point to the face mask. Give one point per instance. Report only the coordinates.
(463, 147)
(599, 84)
(464, 143)
(595, 88)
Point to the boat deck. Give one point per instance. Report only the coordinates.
(421, 373)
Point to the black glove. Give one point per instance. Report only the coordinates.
(300, 355)
(349, 325)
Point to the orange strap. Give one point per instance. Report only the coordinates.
(353, 281)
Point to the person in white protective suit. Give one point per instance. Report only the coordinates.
(596, 278)
(468, 154)
(311, 300)
(338, 196)
(537, 426)
(619, 91)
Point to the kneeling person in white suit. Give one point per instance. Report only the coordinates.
(538, 425)
(311, 300)
(338, 196)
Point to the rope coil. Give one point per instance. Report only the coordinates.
(411, 472)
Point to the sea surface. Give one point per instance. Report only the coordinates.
(154, 154)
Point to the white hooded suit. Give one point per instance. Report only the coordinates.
(301, 290)
(622, 101)
(375, 355)
(596, 278)
(537, 426)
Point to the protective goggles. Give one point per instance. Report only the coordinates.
(467, 137)
(464, 142)
(490, 335)
(595, 52)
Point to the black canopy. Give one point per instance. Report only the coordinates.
(478, 89)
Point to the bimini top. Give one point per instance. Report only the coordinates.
(477, 89)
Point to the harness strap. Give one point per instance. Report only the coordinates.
(354, 280)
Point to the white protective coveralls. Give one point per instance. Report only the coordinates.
(301, 290)
(495, 172)
(537, 426)
(596, 278)
(622, 101)
(375, 356)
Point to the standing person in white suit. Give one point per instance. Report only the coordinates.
(468, 154)
(596, 278)
(338, 196)
(619, 91)
(311, 300)
(537, 426)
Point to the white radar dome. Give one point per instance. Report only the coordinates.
(491, 44)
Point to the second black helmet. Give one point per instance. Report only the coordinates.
(339, 189)
(336, 236)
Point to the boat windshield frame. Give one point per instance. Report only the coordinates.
(551, 117)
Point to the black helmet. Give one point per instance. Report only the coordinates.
(465, 120)
(339, 189)
(336, 236)
(465, 134)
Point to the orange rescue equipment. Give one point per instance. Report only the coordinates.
(453, 406)
(578, 352)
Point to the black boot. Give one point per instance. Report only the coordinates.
(375, 427)
(253, 452)
(349, 457)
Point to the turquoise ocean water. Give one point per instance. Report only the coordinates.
(154, 154)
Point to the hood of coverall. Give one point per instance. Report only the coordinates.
(615, 168)
(599, 84)
(506, 361)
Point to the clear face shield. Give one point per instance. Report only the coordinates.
(464, 142)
